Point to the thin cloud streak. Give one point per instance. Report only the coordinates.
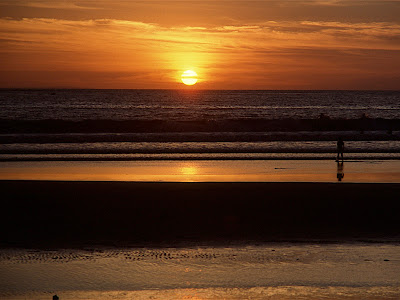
(303, 31)
(54, 4)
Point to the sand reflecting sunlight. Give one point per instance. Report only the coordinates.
(204, 171)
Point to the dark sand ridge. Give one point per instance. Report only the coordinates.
(42, 214)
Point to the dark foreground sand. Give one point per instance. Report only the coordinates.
(43, 214)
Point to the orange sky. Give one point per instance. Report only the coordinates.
(268, 44)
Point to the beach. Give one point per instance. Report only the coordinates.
(206, 240)
(273, 271)
(44, 214)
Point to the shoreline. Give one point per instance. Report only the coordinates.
(260, 170)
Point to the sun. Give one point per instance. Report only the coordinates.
(189, 77)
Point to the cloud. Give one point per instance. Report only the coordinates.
(283, 48)
(53, 4)
(265, 34)
(342, 3)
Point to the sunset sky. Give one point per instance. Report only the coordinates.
(283, 44)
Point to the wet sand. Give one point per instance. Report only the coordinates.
(282, 170)
(42, 214)
(274, 271)
(208, 240)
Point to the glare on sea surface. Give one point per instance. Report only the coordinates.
(189, 170)
(189, 77)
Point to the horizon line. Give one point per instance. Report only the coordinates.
(195, 89)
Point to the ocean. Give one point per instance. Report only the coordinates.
(196, 124)
(203, 105)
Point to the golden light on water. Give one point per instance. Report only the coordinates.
(201, 171)
(189, 170)
(189, 77)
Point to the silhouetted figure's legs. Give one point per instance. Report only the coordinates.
(340, 148)
(339, 154)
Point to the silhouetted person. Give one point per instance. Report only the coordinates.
(340, 148)
(55, 297)
(340, 173)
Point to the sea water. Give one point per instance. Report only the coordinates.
(136, 122)
(195, 104)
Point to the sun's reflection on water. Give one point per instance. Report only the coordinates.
(189, 169)
(202, 171)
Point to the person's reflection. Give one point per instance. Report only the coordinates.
(340, 173)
